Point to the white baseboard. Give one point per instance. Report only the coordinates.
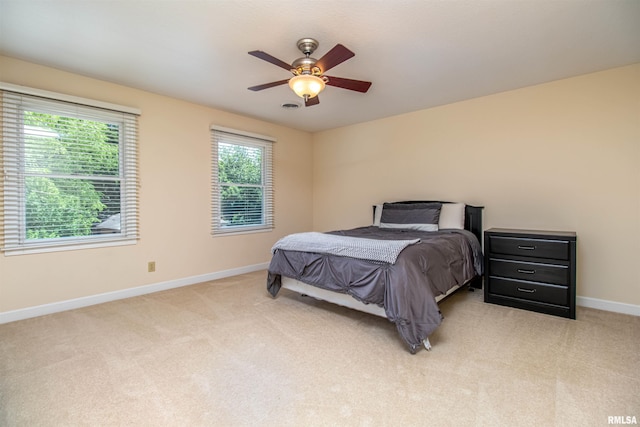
(41, 310)
(601, 304)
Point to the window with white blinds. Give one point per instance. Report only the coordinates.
(242, 189)
(69, 175)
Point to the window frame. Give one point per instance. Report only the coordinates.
(225, 135)
(14, 101)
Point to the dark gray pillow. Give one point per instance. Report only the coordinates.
(412, 216)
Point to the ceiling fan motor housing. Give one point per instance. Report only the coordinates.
(305, 65)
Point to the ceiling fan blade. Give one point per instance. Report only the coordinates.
(268, 85)
(357, 85)
(312, 101)
(272, 59)
(335, 56)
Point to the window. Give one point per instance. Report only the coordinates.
(241, 182)
(69, 175)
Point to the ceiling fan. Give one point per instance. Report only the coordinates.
(308, 73)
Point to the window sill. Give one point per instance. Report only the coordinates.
(226, 233)
(43, 248)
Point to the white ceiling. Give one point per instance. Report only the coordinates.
(417, 53)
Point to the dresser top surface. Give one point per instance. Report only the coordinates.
(514, 232)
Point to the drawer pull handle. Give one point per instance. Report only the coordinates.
(529, 291)
(526, 271)
(527, 248)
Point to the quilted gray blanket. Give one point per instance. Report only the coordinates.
(352, 247)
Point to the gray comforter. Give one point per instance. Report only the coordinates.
(406, 289)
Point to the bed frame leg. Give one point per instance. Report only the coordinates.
(475, 283)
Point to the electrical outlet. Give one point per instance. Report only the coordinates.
(151, 266)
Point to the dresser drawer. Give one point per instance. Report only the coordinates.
(530, 271)
(538, 248)
(551, 294)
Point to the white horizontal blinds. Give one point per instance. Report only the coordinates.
(129, 174)
(70, 173)
(242, 190)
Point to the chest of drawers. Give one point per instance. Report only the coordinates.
(531, 270)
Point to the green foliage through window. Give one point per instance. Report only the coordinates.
(71, 169)
(240, 175)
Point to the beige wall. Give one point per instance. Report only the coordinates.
(562, 155)
(174, 199)
(559, 156)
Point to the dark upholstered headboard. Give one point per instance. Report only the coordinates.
(472, 216)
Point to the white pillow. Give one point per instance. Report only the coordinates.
(452, 216)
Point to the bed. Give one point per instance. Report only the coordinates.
(415, 254)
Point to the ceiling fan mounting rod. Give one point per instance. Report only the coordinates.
(306, 64)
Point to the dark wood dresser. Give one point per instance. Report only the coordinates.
(531, 270)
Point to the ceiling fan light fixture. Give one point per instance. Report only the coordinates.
(306, 85)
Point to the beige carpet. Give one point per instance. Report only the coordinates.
(224, 353)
